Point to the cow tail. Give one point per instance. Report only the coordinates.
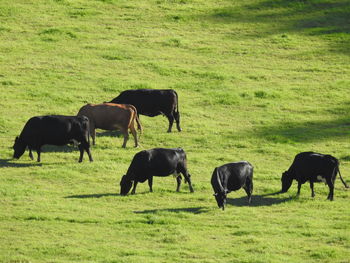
(185, 165)
(139, 126)
(177, 103)
(88, 133)
(341, 178)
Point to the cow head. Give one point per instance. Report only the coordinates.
(125, 185)
(221, 199)
(286, 180)
(19, 148)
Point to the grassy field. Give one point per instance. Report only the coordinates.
(258, 80)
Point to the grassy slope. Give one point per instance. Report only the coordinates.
(257, 80)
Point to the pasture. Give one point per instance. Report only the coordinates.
(258, 80)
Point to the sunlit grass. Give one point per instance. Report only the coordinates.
(257, 80)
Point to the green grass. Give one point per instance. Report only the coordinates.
(258, 80)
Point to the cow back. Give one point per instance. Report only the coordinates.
(234, 175)
(108, 116)
(156, 162)
(148, 101)
(308, 165)
(52, 129)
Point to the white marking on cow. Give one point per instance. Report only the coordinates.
(321, 178)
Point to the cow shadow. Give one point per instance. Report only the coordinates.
(55, 148)
(91, 195)
(114, 133)
(192, 210)
(10, 163)
(258, 200)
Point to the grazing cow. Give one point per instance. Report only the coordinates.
(232, 177)
(312, 167)
(110, 116)
(152, 103)
(155, 162)
(54, 130)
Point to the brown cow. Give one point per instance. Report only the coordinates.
(110, 116)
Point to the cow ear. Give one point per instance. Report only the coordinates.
(215, 194)
(16, 139)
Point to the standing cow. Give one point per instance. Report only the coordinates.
(232, 177)
(312, 167)
(54, 130)
(152, 103)
(110, 116)
(155, 162)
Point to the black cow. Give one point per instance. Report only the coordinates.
(55, 130)
(312, 167)
(232, 177)
(152, 103)
(155, 162)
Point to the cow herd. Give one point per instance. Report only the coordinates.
(122, 113)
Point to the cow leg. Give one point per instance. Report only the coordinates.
(133, 131)
(38, 151)
(81, 149)
(171, 121)
(92, 132)
(312, 189)
(150, 183)
(31, 154)
(187, 178)
(190, 183)
(299, 186)
(330, 184)
(177, 119)
(86, 147)
(248, 188)
(178, 180)
(134, 188)
(126, 136)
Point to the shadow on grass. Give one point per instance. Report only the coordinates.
(305, 131)
(258, 200)
(313, 17)
(54, 148)
(13, 163)
(115, 133)
(91, 195)
(192, 210)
